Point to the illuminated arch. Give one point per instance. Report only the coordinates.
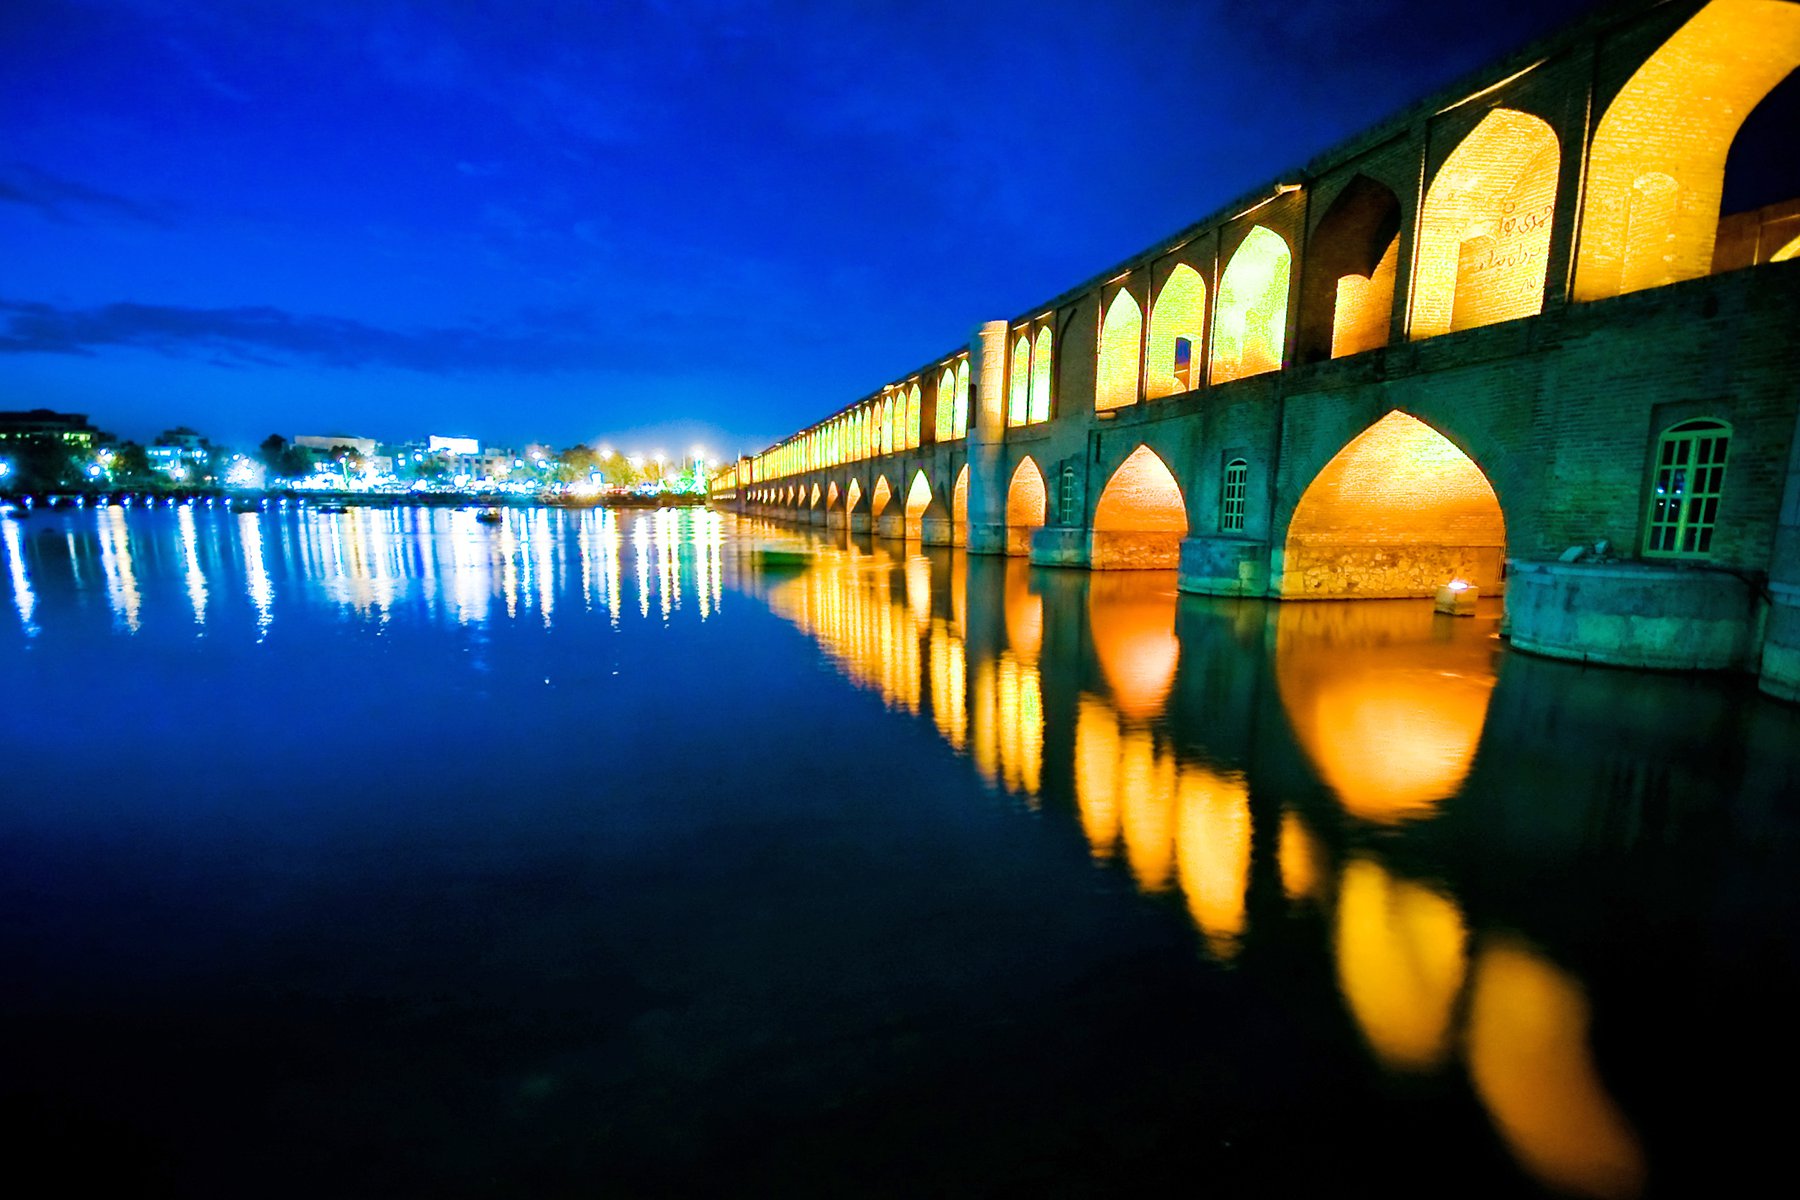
(944, 413)
(1250, 318)
(1116, 383)
(1484, 233)
(1177, 330)
(918, 500)
(1791, 250)
(888, 443)
(914, 407)
(1400, 511)
(814, 502)
(1657, 168)
(1347, 291)
(878, 502)
(1026, 503)
(852, 496)
(961, 423)
(1141, 517)
(959, 498)
(1018, 389)
(831, 496)
(1041, 376)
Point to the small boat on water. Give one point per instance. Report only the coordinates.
(786, 556)
(489, 516)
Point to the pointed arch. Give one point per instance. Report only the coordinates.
(1656, 172)
(1018, 381)
(1116, 382)
(1347, 291)
(1177, 334)
(814, 502)
(959, 498)
(1484, 233)
(962, 397)
(914, 407)
(918, 500)
(1026, 505)
(878, 502)
(831, 497)
(1041, 376)
(852, 496)
(1141, 517)
(1250, 317)
(1399, 511)
(944, 422)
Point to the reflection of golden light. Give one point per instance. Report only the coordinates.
(1250, 328)
(1133, 622)
(1096, 769)
(1401, 960)
(852, 614)
(1389, 713)
(23, 597)
(1116, 383)
(1529, 1058)
(1019, 707)
(1179, 314)
(949, 684)
(1212, 848)
(115, 564)
(1484, 233)
(1301, 859)
(1024, 612)
(1145, 794)
(984, 719)
(1657, 168)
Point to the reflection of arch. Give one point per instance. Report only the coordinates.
(1116, 382)
(1385, 701)
(1484, 233)
(1250, 324)
(1024, 611)
(1132, 619)
(1400, 511)
(879, 501)
(852, 495)
(918, 499)
(1025, 506)
(1177, 326)
(1401, 958)
(959, 498)
(1657, 168)
(1141, 518)
(1347, 292)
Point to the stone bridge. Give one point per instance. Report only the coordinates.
(1508, 327)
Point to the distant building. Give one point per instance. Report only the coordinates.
(322, 446)
(180, 453)
(41, 423)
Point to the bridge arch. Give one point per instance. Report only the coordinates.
(1177, 334)
(1347, 296)
(1116, 379)
(919, 500)
(1141, 516)
(1399, 511)
(959, 508)
(831, 497)
(878, 499)
(814, 501)
(1484, 233)
(1656, 172)
(1027, 504)
(852, 496)
(1250, 316)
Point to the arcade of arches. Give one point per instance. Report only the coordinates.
(1141, 518)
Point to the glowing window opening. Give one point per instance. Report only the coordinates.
(1116, 381)
(1684, 498)
(1177, 323)
(1040, 378)
(1250, 325)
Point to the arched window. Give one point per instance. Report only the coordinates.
(1484, 233)
(1231, 502)
(944, 426)
(1120, 334)
(1177, 322)
(1040, 377)
(914, 406)
(961, 423)
(1018, 391)
(1250, 324)
(1684, 497)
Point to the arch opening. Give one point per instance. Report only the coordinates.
(1657, 171)
(1018, 396)
(1026, 505)
(1116, 380)
(831, 497)
(959, 501)
(852, 496)
(943, 424)
(878, 501)
(1347, 299)
(1400, 511)
(1250, 324)
(1484, 234)
(1177, 332)
(1041, 375)
(1141, 517)
(918, 500)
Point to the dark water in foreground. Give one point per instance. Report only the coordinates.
(387, 854)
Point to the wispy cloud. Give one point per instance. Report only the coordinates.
(542, 342)
(69, 203)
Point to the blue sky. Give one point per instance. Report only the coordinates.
(658, 224)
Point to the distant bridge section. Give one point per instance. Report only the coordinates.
(1508, 322)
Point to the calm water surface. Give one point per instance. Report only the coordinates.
(390, 854)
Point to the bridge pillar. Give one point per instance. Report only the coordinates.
(834, 518)
(891, 524)
(859, 522)
(1224, 566)
(988, 476)
(937, 531)
(1632, 614)
(815, 516)
(1061, 546)
(986, 537)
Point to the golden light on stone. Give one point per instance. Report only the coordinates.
(1396, 512)
(1250, 325)
(1401, 959)
(918, 499)
(1025, 506)
(1116, 381)
(1041, 376)
(1484, 233)
(1141, 518)
(1528, 1055)
(879, 501)
(1657, 169)
(959, 499)
(1177, 322)
(1018, 397)
(1364, 307)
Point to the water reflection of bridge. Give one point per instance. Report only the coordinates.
(1370, 780)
